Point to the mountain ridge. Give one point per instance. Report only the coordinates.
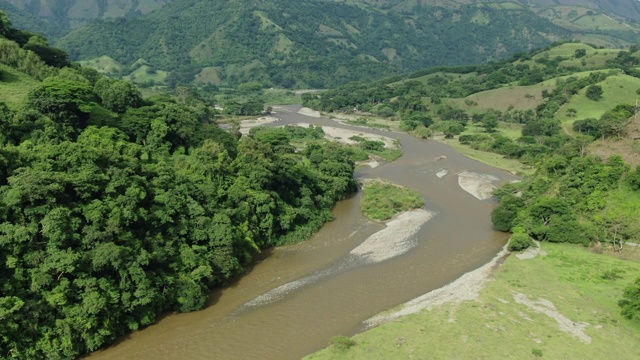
(319, 43)
(311, 43)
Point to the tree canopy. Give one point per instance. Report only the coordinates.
(115, 209)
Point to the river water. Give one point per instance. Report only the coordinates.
(331, 293)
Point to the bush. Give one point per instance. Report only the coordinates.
(536, 352)
(594, 92)
(630, 302)
(519, 241)
(505, 214)
(342, 343)
(423, 132)
(634, 179)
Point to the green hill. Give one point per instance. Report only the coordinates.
(310, 43)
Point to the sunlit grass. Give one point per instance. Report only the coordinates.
(571, 278)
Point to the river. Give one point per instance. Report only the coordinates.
(331, 293)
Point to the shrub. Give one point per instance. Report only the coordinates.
(536, 352)
(342, 343)
(520, 240)
(594, 92)
(630, 302)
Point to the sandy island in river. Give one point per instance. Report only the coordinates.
(246, 125)
(395, 239)
(343, 135)
(479, 185)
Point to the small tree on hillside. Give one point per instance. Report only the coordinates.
(594, 92)
(630, 302)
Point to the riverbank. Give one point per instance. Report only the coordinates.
(517, 314)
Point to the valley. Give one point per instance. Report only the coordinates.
(158, 200)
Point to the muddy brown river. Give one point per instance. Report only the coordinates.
(323, 291)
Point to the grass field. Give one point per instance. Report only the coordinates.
(443, 74)
(281, 97)
(567, 49)
(618, 89)
(14, 85)
(595, 59)
(145, 74)
(495, 160)
(602, 22)
(558, 306)
(104, 65)
(520, 97)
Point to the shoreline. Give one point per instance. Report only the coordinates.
(466, 287)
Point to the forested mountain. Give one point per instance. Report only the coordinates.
(55, 18)
(309, 43)
(316, 43)
(115, 209)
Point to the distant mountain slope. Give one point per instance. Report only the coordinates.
(56, 18)
(310, 43)
(629, 9)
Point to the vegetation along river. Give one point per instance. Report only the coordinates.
(317, 289)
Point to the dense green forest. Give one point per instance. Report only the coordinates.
(115, 209)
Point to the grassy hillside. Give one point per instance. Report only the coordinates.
(617, 89)
(14, 85)
(104, 65)
(515, 97)
(520, 312)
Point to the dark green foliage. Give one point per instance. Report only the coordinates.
(505, 214)
(449, 128)
(246, 108)
(536, 353)
(612, 123)
(30, 63)
(634, 179)
(110, 218)
(566, 201)
(117, 95)
(520, 240)
(630, 302)
(594, 92)
(101, 239)
(50, 55)
(5, 24)
(66, 102)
